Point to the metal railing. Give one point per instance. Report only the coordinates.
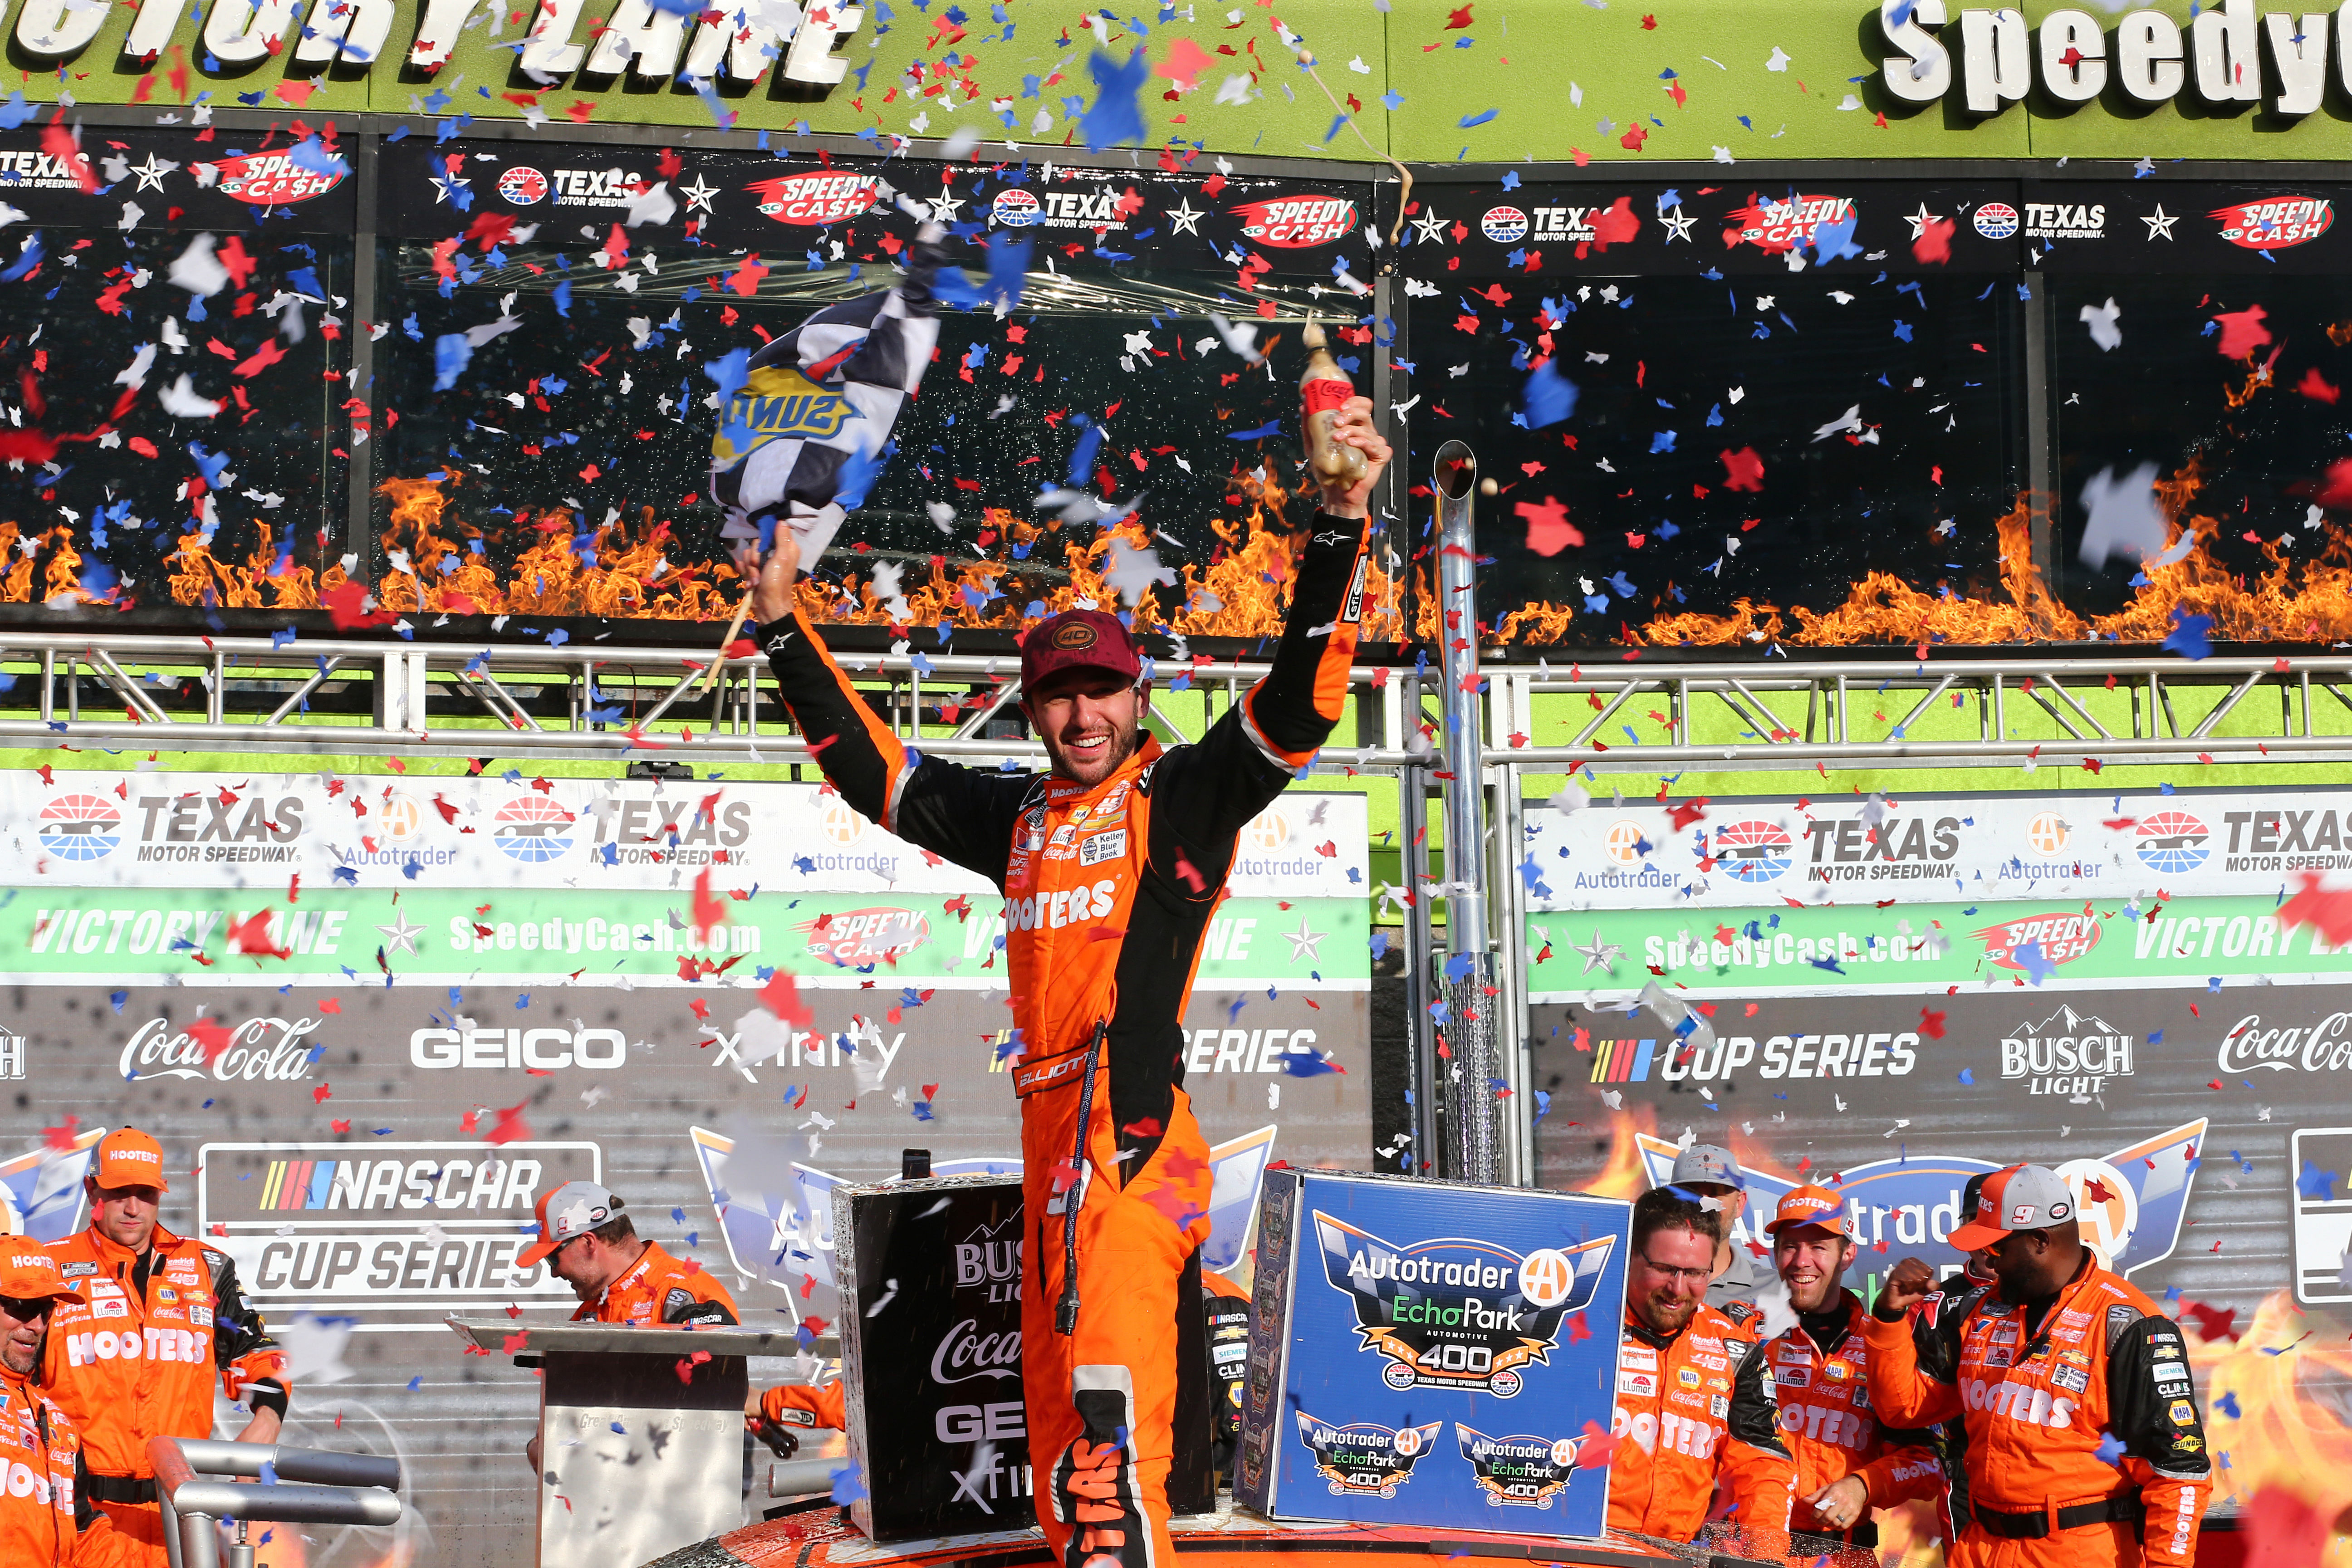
(354, 1489)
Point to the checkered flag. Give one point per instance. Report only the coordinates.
(801, 436)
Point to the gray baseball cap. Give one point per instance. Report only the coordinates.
(1705, 1162)
(2022, 1197)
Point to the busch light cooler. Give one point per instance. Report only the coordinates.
(931, 1343)
(1429, 1354)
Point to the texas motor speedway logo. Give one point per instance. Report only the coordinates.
(1456, 1313)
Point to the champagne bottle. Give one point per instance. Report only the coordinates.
(1322, 388)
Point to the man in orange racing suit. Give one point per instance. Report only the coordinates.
(1111, 865)
(160, 1316)
(46, 1514)
(1694, 1395)
(1847, 1464)
(2084, 1449)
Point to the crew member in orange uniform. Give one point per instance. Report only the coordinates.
(160, 1316)
(46, 1514)
(1694, 1396)
(1111, 865)
(2084, 1449)
(1846, 1463)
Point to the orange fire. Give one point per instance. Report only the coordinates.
(1621, 1174)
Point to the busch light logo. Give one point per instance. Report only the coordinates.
(1454, 1313)
(80, 828)
(2172, 842)
(1365, 1458)
(1504, 225)
(1016, 208)
(531, 828)
(1518, 1471)
(1752, 851)
(523, 185)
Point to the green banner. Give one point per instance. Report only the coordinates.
(1863, 948)
(845, 938)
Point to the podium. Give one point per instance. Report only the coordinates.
(640, 1430)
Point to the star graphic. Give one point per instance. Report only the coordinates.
(1919, 220)
(1677, 225)
(1431, 229)
(445, 184)
(1304, 941)
(944, 208)
(1599, 955)
(698, 195)
(1184, 217)
(2160, 227)
(151, 173)
(400, 938)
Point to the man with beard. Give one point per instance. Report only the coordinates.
(1111, 864)
(2084, 1449)
(1694, 1398)
(1846, 1463)
(46, 1514)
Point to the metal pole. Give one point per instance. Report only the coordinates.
(1427, 1151)
(1471, 998)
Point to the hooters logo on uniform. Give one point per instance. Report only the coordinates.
(1297, 223)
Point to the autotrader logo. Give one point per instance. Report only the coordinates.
(530, 829)
(2172, 842)
(80, 828)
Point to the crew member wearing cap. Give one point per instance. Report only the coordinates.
(591, 1246)
(1713, 1172)
(1960, 1290)
(1846, 1463)
(1694, 1391)
(1111, 864)
(2065, 1374)
(159, 1316)
(45, 1513)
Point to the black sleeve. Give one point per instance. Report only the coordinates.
(683, 1305)
(2151, 1404)
(1935, 1332)
(1755, 1413)
(237, 1328)
(1208, 791)
(966, 815)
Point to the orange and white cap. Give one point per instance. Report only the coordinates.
(1811, 1205)
(2022, 1198)
(575, 1208)
(29, 1271)
(127, 1157)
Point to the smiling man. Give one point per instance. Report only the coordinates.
(1111, 864)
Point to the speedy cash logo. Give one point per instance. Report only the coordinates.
(1297, 223)
(273, 179)
(1783, 225)
(857, 939)
(1454, 1312)
(2275, 223)
(2061, 938)
(818, 196)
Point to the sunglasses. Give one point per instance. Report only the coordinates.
(27, 1308)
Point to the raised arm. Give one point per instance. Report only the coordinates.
(1913, 1350)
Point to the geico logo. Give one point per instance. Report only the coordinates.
(1796, 1056)
(1056, 910)
(130, 1344)
(1680, 1433)
(963, 1423)
(2019, 1402)
(599, 936)
(1828, 1424)
(544, 1049)
(1244, 1050)
(25, 1482)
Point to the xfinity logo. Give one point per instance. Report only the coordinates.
(2067, 1054)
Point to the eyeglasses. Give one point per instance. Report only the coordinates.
(27, 1308)
(1698, 1276)
(557, 1251)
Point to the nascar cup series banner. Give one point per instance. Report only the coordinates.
(374, 1021)
(1892, 996)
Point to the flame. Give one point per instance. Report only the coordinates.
(2291, 1375)
(1622, 1174)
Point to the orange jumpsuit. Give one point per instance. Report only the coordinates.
(2102, 1368)
(1827, 1423)
(659, 1289)
(1689, 1408)
(45, 1515)
(136, 1359)
(1108, 891)
(798, 1404)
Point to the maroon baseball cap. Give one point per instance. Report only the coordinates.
(1079, 639)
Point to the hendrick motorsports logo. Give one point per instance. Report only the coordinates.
(1365, 1458)
(1518, 1471)
(1456, 1313)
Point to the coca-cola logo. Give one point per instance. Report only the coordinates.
(2324, 1046)
(259, 1050)
(1297, 223)
(965, 1353)
(273, 179)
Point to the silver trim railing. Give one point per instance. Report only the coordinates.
(355, 1488)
